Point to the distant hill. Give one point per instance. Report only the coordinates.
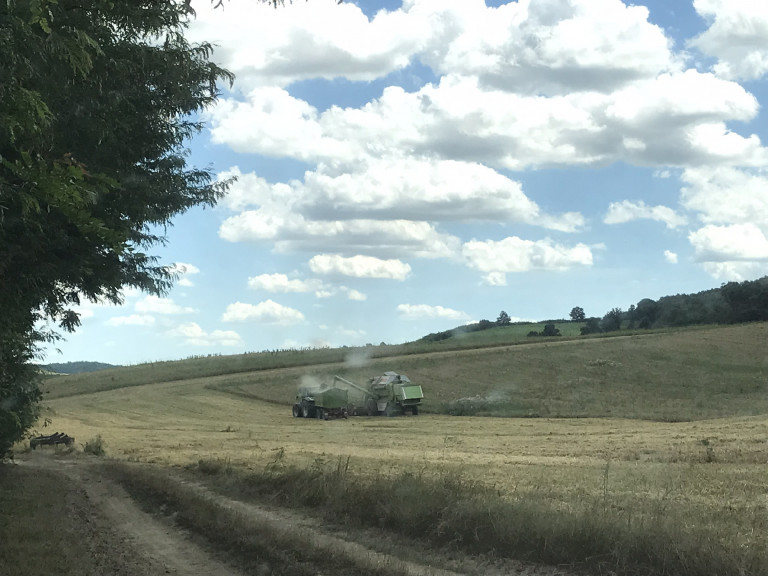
(76, 367)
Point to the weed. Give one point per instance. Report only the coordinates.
(214, 467)
(95, 446)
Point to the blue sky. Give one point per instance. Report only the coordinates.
(407, 167)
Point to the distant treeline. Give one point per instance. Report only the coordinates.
(76, 367)
(732, 303)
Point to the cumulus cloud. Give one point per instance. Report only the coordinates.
(359, 267)
(263, 46)
(184, 271)
(724, 195)
(735, 271)
(292, 233)
(280, 283)
(418, 311)
(194, 335)
(267, 312)
(521, 86)
(736, 37)
(132, 320)
(670, 256)
(547, 47)
(514, 254)
(155, 305)
(729, 243)
(627, 211)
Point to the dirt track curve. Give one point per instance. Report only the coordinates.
(145, 544)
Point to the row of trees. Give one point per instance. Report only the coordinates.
(731, 303)
(734, 302)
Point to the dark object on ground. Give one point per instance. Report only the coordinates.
(51, 440)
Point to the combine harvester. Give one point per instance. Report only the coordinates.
(389, 394)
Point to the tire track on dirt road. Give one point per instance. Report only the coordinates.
(146, 545)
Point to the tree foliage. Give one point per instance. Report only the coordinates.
(612, 320)
(577, 314)
(503, 319)
(96, 101)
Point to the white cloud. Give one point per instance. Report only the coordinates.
(534, 46)
(729, 243)
(132, 320)
(264, 46)
(355, 295)
(417, 311)
(184, 271)
(194, 335)
(267, 312)
(670, 257)
(514, 254)
(735, 271)
(292, 233)
(726, 195)
(280, 283)
(547, 47)
(359, 267)
(423, 189)
(155, 305)
(736, 37)
(627, 211)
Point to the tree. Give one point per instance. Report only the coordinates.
(577, 314)
(503, 319)
(550, 330)
(612, 320)
(96, 101)
(591, 327)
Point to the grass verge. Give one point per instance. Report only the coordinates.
(602, 535)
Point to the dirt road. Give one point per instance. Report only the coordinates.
(140, 543)
(152, 544)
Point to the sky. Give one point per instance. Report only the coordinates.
(408, 167)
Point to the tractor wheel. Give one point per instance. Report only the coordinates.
(415, 410)
(319, 413)
(373, 409)
(296, 411)
(304, 410)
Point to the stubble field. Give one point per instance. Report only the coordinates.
(667, 436)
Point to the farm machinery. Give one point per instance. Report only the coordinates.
(51, 440)
(389, 394)
(320, 402)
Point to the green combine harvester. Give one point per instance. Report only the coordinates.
(389, 394)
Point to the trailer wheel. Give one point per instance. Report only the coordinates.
(296, 411)
(390, 409)
(415, 410)
(319, 413)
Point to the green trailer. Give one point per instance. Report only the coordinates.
(321, 402)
